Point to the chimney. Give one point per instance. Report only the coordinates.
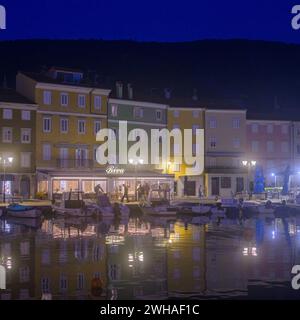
(167, 93)
(119, 89)
(130, 91)
(195, 95)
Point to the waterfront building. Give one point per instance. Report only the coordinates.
(17, 144)
(72, 109)
(142, 113)
(269, 142)
(187, 181)
(225, 151)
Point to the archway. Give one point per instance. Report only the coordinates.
(25, 187)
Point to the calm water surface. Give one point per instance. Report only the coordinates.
(149, 258)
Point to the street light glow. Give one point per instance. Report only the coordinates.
(273, 174)
(253, 163)
(244, 162)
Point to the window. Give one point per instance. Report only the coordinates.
(45, 256)
(176, 113)
(236, 123)
(80, 281)
(195, 127)
(47, 124)
(26, 115)
(270, 146)
(284, 146)
(26, 135)
(24, 274)
(81, 126)
(176, 126)
(97, 102)
(195, 113)
(97, 126)
(7, 114)
(64, 99)
(25, 159)
(213, 123)
(138, 112)
(212, 142)
(47, 99)
(212, 162)
(81, 101)
(284, 129)
(226, 182)
(158, 115)
(64, 125)
(63, 282)
(46, 151)
(114, 110)
(7, 135)
(236, 143)
(45, 284)
(255, 146)
(254, 127)
(24, 248)
(176, 167)
(269, 128)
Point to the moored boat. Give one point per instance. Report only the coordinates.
(21, 211)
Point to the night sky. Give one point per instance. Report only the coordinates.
(144, 20)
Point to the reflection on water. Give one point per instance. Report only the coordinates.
(147, 258)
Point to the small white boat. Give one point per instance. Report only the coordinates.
(201, 209)
(20, 211)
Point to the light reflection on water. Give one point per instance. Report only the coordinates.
(147, 258)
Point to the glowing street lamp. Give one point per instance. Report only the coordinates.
(249, 164)
(5, 161)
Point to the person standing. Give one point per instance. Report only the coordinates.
(125, 193)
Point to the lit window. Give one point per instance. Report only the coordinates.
(47, 97)
(26, 115)
(26, 135)
(7, 114)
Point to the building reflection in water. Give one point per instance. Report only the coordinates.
(144, 258)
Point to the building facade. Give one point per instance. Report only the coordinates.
(71, 111)
(17, 145)
(225, 150)
(269, 142)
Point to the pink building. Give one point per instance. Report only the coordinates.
(269, 142)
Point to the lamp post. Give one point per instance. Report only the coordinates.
(5, 161)
(135, 163)
(274, 175)
(249, 164)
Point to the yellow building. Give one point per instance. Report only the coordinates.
(185, 118)
(71, 111)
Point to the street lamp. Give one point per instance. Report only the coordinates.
(4, 162)
(249, 164)
(135, 163)
(274, 175)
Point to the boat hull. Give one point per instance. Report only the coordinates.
(73, 212)
(32, 213)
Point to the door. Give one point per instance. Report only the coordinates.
(239, 184)
(81, 156)
(64, 153)
(190, 188)
(215, 186)
(25, 187)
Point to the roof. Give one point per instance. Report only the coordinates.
(10, 95)
(286, 114)
(41, 77)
